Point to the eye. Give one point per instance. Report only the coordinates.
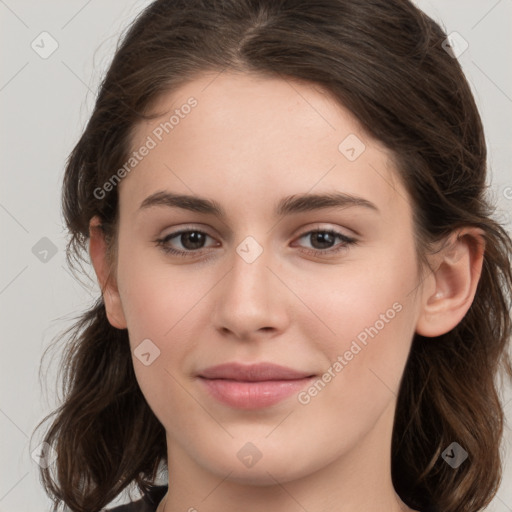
(323, 240)
(191, 240)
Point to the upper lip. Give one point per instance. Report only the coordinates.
(253, 372)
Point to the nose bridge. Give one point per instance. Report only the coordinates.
(248, 280)
(247, 299)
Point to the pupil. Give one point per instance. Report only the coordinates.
(192, 240)
(323, 238)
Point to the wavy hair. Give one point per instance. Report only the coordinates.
(384, 61)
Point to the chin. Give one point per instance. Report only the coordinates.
(260, 475)
(272, 466)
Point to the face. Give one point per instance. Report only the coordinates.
(322, 287)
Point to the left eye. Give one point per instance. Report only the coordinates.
(193, 240)
(321, 238)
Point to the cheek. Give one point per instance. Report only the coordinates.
(161, 304)
(159, 309)
(364, 361)
(359, 296)
(156, 297)
(365, 325)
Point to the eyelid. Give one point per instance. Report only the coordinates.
(315, 227)
(328, 227)
(346, 241)
(187, 229)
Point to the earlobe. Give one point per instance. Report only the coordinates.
(451, 287)
(98, 254)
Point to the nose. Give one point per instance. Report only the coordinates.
(250, 301)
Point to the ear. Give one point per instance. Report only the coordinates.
(449, 290)
(98, 254)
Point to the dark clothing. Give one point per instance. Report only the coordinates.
(150, 502)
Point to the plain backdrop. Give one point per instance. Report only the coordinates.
(44, 105)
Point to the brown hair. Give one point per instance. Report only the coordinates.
(384, 61)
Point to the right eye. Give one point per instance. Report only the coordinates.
(191, 240)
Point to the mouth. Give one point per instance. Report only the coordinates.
(252, 386)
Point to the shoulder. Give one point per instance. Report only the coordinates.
(148, 503)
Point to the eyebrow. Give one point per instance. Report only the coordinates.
(291, 204)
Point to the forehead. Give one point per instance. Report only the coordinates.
(252, 135)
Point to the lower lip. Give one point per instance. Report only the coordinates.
(253, 395)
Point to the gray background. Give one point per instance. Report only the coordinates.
(45, 104)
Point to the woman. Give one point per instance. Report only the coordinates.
(305, 299)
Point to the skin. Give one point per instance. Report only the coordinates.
(249, 142)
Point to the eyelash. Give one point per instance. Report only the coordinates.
(346, 242)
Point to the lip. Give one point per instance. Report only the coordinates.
(252, 386)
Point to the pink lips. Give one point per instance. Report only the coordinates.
(252, 386)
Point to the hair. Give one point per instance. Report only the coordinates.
(384, 61)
